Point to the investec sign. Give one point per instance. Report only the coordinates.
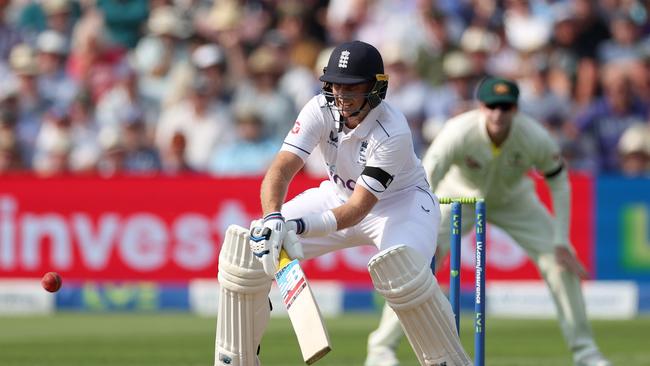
(143, 241)
(160, 229)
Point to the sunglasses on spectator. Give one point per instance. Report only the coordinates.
(504, 107)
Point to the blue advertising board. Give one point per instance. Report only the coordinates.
(623, 228)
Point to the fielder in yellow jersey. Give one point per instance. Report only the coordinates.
(487, 152)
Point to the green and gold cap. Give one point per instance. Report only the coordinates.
(493, 90)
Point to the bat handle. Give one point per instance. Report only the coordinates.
(284, 259)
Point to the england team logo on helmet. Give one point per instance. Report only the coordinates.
(343, 60)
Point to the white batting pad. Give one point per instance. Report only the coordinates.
(243, 310)
(405, 280)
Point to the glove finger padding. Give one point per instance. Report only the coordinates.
(292, 246)
(265, 245)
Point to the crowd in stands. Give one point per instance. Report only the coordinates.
(212, 86)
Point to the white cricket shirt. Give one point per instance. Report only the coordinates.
(382, 140)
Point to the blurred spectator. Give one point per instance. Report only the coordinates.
(139, 154)
(125, 95)
(10, 160)
(174, 159)
(159, 51)
(623, 45)
(274, 107)
(439, 36)
(29, 105)
(9, 34)
(124, 19)
(54, 143)
(537, 99)
(407, 91)
(479, 43)
(453, 97)
(562, 54)
(204, 121)
(113, 155)
(251, 151)
(86, 149)
(55, 86)
(57, 15)
(603, 122)
(592, 30)
(210, 63)
(295, 25)
(93, 61)
(634, 150)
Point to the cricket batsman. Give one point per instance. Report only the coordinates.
(377, 194)
(487, 152)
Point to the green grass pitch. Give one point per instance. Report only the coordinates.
(182, 339)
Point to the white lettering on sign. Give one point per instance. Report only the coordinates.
(143, 240)
(95, 244)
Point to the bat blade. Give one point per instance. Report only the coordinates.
(303, 310)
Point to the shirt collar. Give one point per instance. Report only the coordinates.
(363, 129)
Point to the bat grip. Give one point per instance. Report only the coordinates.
(284, 259)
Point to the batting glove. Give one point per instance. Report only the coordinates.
(266, 238)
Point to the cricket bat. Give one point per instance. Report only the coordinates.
(303, 310)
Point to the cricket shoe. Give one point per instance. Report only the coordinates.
(594, 358)
(381, 356)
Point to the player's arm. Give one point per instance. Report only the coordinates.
(555, 173)
(439, 156)
(355, 209)
(348, 214)
(550, 164)
(277, 179)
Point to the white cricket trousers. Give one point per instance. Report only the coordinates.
(410, 217)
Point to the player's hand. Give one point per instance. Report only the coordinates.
(292, 245)
(568, 261)
(266, 238)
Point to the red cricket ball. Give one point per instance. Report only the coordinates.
(51, 282)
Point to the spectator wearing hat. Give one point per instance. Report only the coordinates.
(251, 151)
(205, 122)
(160, 51)
(54, 84)
(454, 96)
(29, 103)
(479, 44)
(53, 143)
(262, 89)
(634, 151)
(123, 20)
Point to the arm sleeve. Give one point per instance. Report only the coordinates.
(550, 164)
(306, 131)
(384, 162)
(561, 192)
(438, 158)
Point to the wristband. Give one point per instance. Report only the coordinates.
(319, 224)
